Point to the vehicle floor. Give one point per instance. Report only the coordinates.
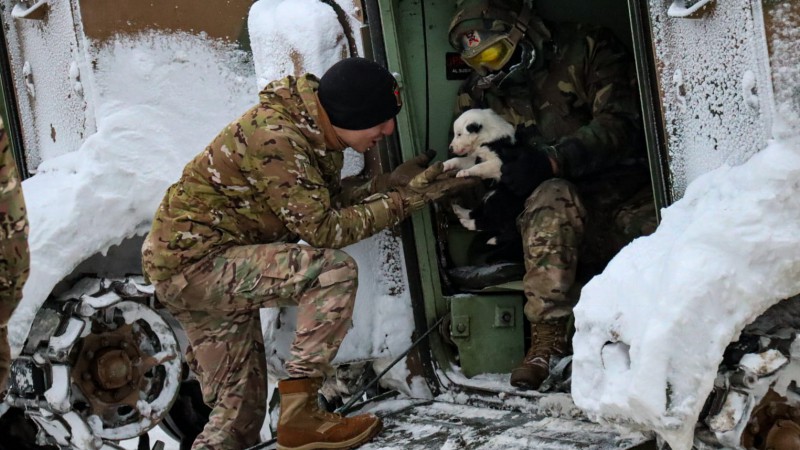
(444, 425)
(428, 425)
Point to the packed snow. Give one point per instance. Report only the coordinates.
(652, 328)
(660, 316)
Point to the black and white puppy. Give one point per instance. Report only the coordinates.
(483, 141)
(479, 138)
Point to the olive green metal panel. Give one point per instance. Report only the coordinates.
(416, 44)
(419, 58)
(428, 100)
(403, 19)
(652, 116)
(488, 330)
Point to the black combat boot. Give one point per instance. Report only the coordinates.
(548, 340)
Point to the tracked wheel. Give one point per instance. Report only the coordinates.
(127, 371)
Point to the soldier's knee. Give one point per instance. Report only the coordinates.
(348, 260)
(339, 278)
(343, 265)
(550, 192)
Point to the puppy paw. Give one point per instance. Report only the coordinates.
(463, 174)
(468, 224)
(460, 211)
(463, 217)
(492, 241)
(448, 165)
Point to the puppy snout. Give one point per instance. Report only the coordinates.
(455, 150)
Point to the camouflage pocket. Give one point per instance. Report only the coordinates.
(209, 362)
(334, 276)
(169, 291)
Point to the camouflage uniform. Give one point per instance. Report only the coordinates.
(14, 257)
(578, 102)
(223, 245)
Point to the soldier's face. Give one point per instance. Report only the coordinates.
(363, 140)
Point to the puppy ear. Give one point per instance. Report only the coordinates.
(474, 127)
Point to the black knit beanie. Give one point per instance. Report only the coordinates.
(358, 94)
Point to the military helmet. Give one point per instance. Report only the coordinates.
(486, 32)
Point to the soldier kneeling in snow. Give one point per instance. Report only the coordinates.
(223, 245)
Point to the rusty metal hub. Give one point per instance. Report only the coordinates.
(126, 372)
(110, 368)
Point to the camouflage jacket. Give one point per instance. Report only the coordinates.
(579, 97)
(273, 175)
(14, 256)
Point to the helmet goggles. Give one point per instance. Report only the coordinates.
(486, 50)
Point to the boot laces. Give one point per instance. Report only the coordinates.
(548, 339)
(333, 417)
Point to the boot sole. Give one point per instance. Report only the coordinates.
(362, 438)
(525, 386)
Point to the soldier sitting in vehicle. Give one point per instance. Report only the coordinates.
(14, 254)
(223, 245)
(570, 90)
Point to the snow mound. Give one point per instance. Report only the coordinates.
(652, 328)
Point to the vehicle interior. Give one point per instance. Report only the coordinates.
(484, 330)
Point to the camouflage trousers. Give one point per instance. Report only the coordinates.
(5, 357)
(217, 301)
(569, 234)
(8, 302)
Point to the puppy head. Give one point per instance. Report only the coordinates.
(476, 127)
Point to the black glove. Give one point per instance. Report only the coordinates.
(530, 169)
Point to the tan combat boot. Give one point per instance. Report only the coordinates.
(548, 339)
(303, 425)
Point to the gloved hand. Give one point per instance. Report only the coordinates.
(530, 169)
(403, 173)
(432, 184)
